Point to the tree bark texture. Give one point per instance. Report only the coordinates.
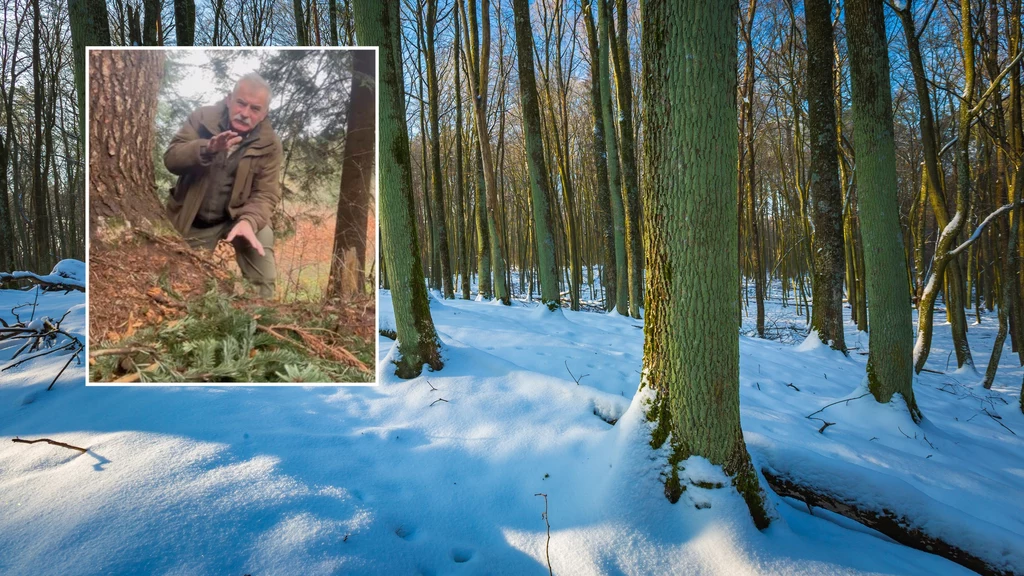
(348, 265)
(539, 192)
(122, 103)
(826, 193)
(612, 157)
(377, 25)
(627, 154)
(890, 367)
(602, 195)
(691, 352)
(185, 22)
(438, 211)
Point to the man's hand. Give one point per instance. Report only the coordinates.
(223, 141)
(244, 230)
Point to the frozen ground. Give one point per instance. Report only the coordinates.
(394, 480)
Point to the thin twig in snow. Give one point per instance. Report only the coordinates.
(48, 441)
(547, 547)
(577, 380)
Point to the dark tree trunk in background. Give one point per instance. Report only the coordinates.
(332, 15)
(151, 31)
(348, 265)
(627, 154)
(41, 220)
(826, 194)
(301, 32)
(123, 87)
(462, 244)
(185, 21)
(134, 28)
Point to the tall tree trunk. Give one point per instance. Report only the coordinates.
(41, 222)
(950, 228)
(827, 199)
(89, 27)
(185, 22)
(134, 27)
(348, 264)
(614, 180)
(689, 60)
(749, 160)
(539, 194)
(479, 58)
(461, 199)
(889, 368)
(627, 154)
(301, 31)
(483, 243)
(602, 196)
(377, 24)
(122, 103)
(151, 23)
(436, 176)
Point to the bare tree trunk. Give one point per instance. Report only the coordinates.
(378, 25)
(539, 192)
(122, 103)
(890, 367)
(185, 22)
(827, 200)
(348, 264)
(689, 83)
(437, 195)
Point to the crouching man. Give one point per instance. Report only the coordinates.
(228, 162)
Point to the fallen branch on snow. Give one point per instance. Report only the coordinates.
(53, 442)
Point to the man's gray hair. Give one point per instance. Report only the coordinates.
(254, 79)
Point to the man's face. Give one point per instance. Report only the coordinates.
(247, 107)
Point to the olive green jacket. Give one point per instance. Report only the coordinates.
(256, 191)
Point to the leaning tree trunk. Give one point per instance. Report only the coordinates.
(826, 194)
(539, 193)
(348, 264)
(890, 367)
(377, 25)
(691, 240)
(123, 87)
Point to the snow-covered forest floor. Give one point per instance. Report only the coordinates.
(441, 474)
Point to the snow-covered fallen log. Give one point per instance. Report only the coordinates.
(896, 509)
(66, 275)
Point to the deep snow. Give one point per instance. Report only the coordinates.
(391, 480)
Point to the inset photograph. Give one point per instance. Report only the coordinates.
(232, 215)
